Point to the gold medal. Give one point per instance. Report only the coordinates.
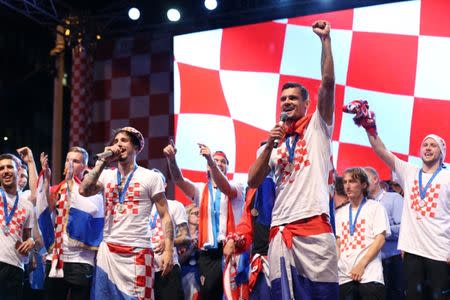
(254, 212)
(121, 208)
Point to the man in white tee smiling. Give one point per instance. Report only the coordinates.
(425, 226)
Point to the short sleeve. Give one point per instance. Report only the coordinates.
(339, 220)
(199, 186)
(156, 184)
(402, 169)
(319, 122)
(179, 213)
(381, 221)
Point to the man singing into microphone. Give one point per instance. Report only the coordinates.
(125, 258)
(302, 253)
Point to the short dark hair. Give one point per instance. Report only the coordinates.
(221, 153)
(339, 186)
(359, 174)
(12, 157)
(303, 91)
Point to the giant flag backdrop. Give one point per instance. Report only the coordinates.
(227, 82)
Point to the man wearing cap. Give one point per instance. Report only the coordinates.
(71, 227)
(221, 202)
(425, 225)
(125, 258)
(302, 250)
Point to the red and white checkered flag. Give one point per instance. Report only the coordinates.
(81, 94)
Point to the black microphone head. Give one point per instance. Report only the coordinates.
(283, 116)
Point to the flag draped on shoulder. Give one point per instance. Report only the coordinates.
(85, 221)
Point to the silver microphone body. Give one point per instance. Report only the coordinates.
(104, 154)
(283, 118)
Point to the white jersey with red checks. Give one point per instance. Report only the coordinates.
(23, 218)
(425, 229)
(302, 186)
(178, 215)
(128, 224)
(372, 220)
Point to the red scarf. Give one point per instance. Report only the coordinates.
(298, 127)
(203, 218)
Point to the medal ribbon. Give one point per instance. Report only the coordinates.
(123, 192)
(353, 224)
(291, 148)
(153, 221)
(423, 192)
(215, 209)
(8, 217)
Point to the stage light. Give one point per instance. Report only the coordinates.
(211, 4)
(134, 13)
(98, 37)
(173, 15)
(5, 138)
(67, 32)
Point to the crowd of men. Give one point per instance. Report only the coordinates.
(298, 231)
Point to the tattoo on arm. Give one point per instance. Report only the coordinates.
(90, 186)
(182, 237)
(175, 170)
(168, 229)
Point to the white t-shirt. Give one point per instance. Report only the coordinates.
(72, 251)
(178, 214)
(302, 186)
(425, 226)
(23, 218)
(128, 224)
(237, 205)
(372, 220)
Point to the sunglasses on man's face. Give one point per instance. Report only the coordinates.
(195, 213)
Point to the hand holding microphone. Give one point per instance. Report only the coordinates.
(283, 118)
(109, 152)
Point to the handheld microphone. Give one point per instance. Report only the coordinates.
(105, 154)
(283, 118)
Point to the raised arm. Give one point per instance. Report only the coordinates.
(326, 90)
(381, 150)
(27, 156)
(166, 221)
(217, 176)
(47, 177)
(90, 185)
(186, 186)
